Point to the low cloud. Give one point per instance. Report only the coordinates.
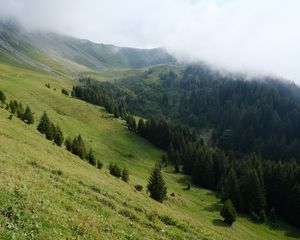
(258, 36)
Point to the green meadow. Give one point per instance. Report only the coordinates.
(48, 193)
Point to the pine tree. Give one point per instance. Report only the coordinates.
(68, 144)
(125, 175)
(78, 147)
(58, 136)
(13, 106)
(20, 110)
(91, 158)
(253, 192)
(46, 127)
(141, 127)
(228, 212)
(28, 116)
(231, 190)
(156, 185)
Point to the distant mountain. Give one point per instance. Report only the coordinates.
(60, 53)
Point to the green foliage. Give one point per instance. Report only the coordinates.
(99, 164)
(68, 144)
(167, 220)
(2, 97)
(228, 212)
(156, 185)
(125, 175)
(91, 158)
(58, 136)
(28, 116)
(138, 187)
(115, 170)
(65, 92)
(78, 147)
(46, 127)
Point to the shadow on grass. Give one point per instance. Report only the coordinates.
(220, 223)
(213, 207)
(288, 230)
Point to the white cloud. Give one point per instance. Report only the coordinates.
(255, 36)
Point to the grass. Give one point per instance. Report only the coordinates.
(48, 193)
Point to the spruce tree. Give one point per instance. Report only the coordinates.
(156, 185)
(141, 127)
(28, 116)
(20, 110)
(58, 136)
(45, 126)
(91, 158)
(228, 212)
(253, 192)
(125, 175)
(68, 144)
(231, 190)
(78, 147)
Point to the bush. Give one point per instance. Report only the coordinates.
(152, 216)
(138, 187)
(99, 164)
(167, 220)
(2, 97)
(228, 212)
(115, 170)
(64, 91)
(130, 215)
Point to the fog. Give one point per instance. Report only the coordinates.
(258, 36)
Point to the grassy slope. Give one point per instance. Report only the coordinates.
(86, 202)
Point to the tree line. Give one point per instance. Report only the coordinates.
(255, 185)
(16, 108)
(76, 145)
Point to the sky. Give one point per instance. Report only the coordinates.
(251, 36)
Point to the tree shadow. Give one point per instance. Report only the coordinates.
(289, 231)
(213, 207)
(220, 223)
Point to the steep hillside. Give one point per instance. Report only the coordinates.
(63, 54)
(48, 193)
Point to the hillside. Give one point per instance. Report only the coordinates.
(48, 193)
(67, 55)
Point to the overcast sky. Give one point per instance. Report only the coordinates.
(261, 36)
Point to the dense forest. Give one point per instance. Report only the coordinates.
(253, 158)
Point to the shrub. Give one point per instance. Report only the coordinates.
(2, 97)
(152, 216)
(228, 212)
(99, 164)
(167, 220)
(64, 91)
(130, 215)
(138, 187)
